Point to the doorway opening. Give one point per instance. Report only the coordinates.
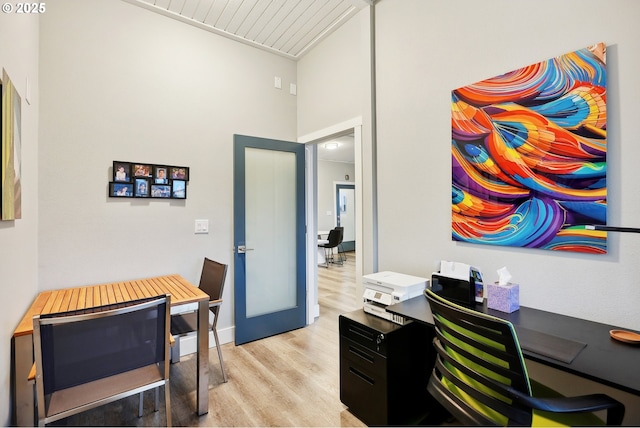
(326, 169)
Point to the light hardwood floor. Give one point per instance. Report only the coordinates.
(287, 380)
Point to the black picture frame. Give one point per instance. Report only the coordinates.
(141, 188)
(120, 190)
(179, 189)
(160, 174)
(148, 180)
(121, 172)
(179, 173)
(142, 170)
(162, 191)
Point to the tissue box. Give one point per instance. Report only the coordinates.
(503, 298)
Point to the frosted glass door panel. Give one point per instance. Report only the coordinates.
(270, 231)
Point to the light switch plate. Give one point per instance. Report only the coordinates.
(202, 226)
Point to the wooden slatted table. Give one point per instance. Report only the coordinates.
(51, 301)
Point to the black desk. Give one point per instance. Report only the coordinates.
(603, 360)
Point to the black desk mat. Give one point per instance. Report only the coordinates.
(555, 347)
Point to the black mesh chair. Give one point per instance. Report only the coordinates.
(343, 258)
(480, 376)
(334, 240)
(90, 357)
(211, 282)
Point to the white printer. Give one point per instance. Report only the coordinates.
(386, 288)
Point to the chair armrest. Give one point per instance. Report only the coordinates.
(560, 404)
(213, 303)
(583, 403)
(31, 378)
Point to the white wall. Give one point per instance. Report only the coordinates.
(334, 85)
(463, 41)
(328, 174)
(19, 238)
(119, 82)
(333, 78)
(426, 49)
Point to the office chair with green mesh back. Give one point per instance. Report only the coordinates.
(480, 376)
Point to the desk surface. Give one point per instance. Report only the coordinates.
(603, 360)
(68, 299)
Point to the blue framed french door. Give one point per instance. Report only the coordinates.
(269, 237)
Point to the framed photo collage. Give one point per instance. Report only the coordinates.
(143, 180)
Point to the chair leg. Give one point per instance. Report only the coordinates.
(167, 402)
(343, 258)
(224, 372)
(326, 258)
(175, 351)
(339, 260)
(156, 404)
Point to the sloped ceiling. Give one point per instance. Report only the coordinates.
(286, 27)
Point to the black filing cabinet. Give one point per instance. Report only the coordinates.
(384, 369)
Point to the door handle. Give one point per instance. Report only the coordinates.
(243, 249)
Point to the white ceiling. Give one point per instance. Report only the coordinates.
(286, 27)
(343, 153)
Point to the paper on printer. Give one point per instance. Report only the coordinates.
(455, 270)
(465, 272)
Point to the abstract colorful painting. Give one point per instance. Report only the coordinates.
(529, 166)
(10, 152)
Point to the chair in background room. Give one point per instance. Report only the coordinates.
(211, 282)
(480, 376)
(90, 357)
(333, 241)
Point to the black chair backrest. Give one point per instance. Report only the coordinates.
(77, 347)
(212, 279)
(334, 239)
(341, 235)
(478, 361)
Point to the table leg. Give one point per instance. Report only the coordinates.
(202, 367)
(23, 402)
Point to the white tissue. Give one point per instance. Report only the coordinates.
(503, 276)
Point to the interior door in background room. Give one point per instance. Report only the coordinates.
(269, 237)
(346, 214)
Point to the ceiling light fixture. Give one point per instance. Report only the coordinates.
(331, 146)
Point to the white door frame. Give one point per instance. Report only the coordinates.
(310, 140)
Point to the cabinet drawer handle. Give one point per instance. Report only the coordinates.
(361, 354)
(362, 333)
(362, 376)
